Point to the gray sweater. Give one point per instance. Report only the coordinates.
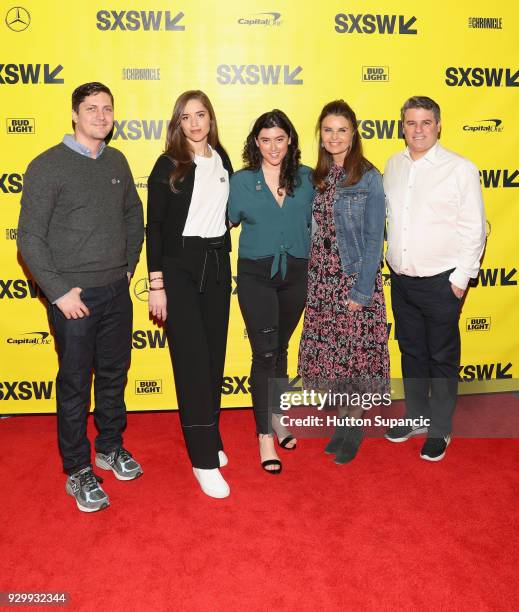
(81, 222)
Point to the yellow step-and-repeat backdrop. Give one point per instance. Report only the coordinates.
(249, 57)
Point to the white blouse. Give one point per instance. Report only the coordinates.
(206, 216)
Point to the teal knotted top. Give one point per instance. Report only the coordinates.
(268, 229)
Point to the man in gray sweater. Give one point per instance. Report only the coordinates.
(80, 233)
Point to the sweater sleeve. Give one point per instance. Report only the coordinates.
(134, 218)
(158, 194)
(39, 196)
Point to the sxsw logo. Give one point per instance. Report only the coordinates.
(10, 74)
(479, 77)
(11, 182)
(149, 338)
(233, 385)
(374, 24)
(18, 289)
(499, 178)
(21, 126)
(135, 129)
(139, 20)
(380, 128)
(258, 74)
(478, 324)
(484, 125)
(38, 338)
(493, 277)
(484, 371)
(26, 389)
(147, 387)
(375, 73)
(261, 19)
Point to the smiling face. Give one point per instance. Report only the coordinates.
(336, 136)
(94, 119)
(421, 131)
(273, 145)
(195, 122)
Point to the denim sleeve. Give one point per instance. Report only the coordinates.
(374, 222)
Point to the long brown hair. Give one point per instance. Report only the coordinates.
(177, 147)
(355, 164)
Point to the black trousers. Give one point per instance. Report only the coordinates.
(271, 309)
(99, 343)
(198, 290)
(426, 313)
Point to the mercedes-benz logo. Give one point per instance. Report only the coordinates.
(141, 289)
(17, 19)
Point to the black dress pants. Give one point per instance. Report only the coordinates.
(99, 343)
(426, 313)
(198, 290)
(271, 309)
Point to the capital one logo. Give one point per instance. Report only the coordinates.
(30, 74)
(258, 74)
(109, 20)
(374, 24)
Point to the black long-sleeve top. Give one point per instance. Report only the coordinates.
(167, 210)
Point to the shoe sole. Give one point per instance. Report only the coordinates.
(103, 506)
(439, 458)
(106, 466)
(414, 432)
(331, 451)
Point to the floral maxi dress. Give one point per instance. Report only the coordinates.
(339, 347)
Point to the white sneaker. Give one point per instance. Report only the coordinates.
(222, 458)
(212, 482)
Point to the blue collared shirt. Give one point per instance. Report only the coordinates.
(76, 146)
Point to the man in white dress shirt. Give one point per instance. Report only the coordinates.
(435, 237)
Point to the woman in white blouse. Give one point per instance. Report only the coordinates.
(188, 246)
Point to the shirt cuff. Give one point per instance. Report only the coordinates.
(459, 279)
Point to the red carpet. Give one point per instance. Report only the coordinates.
(388, 531)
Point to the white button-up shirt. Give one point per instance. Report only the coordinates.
(435, 215)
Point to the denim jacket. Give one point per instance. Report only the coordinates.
(359, 213)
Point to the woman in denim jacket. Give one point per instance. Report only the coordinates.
(344, 340)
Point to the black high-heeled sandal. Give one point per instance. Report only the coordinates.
(279, 430)
(267, 462)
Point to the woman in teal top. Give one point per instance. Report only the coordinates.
(272, 199)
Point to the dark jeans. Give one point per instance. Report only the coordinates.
(271, 309)
(99, 343)
(198, 289)
(426, 313)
